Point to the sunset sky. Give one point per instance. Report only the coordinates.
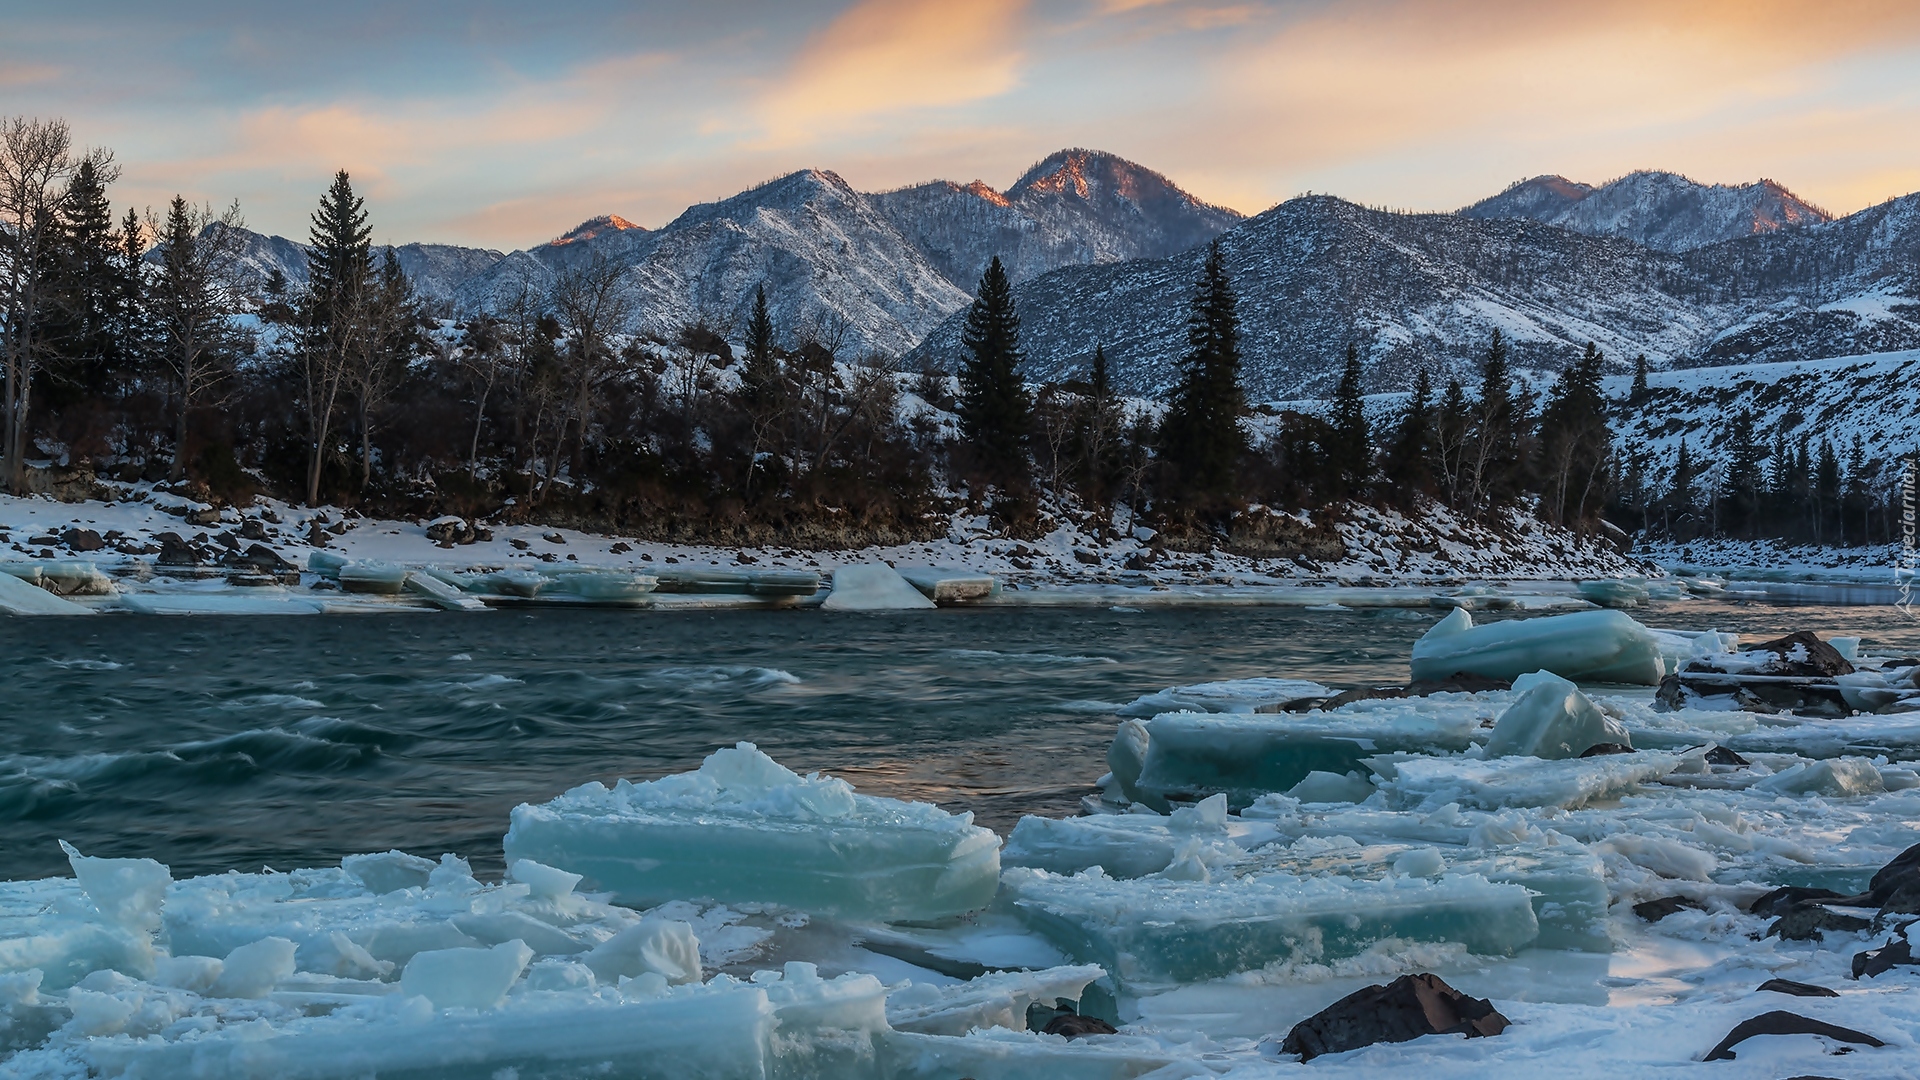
(503, 124)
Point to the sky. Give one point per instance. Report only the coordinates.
(503, 124)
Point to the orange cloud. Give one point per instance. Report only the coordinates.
(892, 56)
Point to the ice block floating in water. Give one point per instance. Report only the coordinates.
(876, 587)
(1586, 646)
(743, 828)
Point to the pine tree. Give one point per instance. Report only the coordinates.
(1639, 391)
(996, 413)
(333, 316)
(91, 287)
(1575, 443)
(339, 252)
(1201, 438)
(1350, 455)
(1408, 464)
(761, 374)
(1826, 490)
(1681, 495)
(1744, 481)
(1451, 429)
(190, 304)
(1097, 429)
(1493, 462)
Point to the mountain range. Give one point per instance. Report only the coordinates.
(1104, 252)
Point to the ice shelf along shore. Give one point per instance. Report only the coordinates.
(1604, 850)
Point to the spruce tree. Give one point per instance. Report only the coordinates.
(1450, 432)
(333, 315)
(1408, 465)
(995, 410)
(1350, 456)
(1097, 423)
(761, 374)
(1681, 496)
(1201, 438)
(1575, 443)
(339, 252)
(1639, 392)
(91, 287)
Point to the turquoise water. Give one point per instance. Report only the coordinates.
(213, 743)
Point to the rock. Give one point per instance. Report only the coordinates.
(1086, 557)
(44, 540)
(1803, 653)
(1900, 875)
(1780, 1022)
(1460, 682)
(1797, 989)
(264, 558)
(1786, 898)
(229, 541)
(1602, 749)
(176, 552)
(1406, 1008)
(1655, 910)
(1883, 959)
(204, 518)
(620, 547)
(82, 540)
(448, 531)
(316, 535)
(519, 544)
(1805, 923)
(482, 535)
(252, 529)
(553, 538)
(1075, 1026)
(1720, 755)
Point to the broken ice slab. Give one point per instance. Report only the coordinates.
(997, 999)
(1552, 719)
(1128, 845)
(1154, 931)
(743, 828)
(19, 597)
(103, 918)
(715, 579)
(1586, 646)
(873, 587)
(61, 577)
(945, 585)
(1428, 783)
(1615, 592)
(526, 584)
(599, 585)
(1226, 696)
(1896, 734)
(326, 563)
(441, 594)
(1188, 756)
(792, 1025)
(379, 578)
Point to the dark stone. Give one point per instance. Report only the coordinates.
(1903, 871)
(1804, 923)
(1670, 694)
(1822, 660)
(1136, 561)
(620, 547)
(519, 544)
(83, 540)
(553, 538)
(316, 536)
(1797, 989)
(1785, 899)
(482, 535)
(1720, 755)
(252, 529)
(1655, 910)
(228, 541)
(266, 559)
(1602, 749)
(176, 552)
(1780, 1022)
(1406, 1008)
(1363, 693)
(1460, 682)
(43, 541)
(1883, 959)
(1086, 557)
(203, 518)
(1075, 1026)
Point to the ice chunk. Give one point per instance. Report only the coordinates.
(1419, 862)
(714, 579)
(873, 587)
(380, 578)
(51, 927)
(1228, 696)
(943, 585)
(1835, 778)
(1190, 755)
(1615, 592)
(1155, 932)
(544, 882)
(388, 871)
(1016, 1055)
(1124, 845)
(998, 999)
(326, 563)
(1586, 646)
(744, 829)
(1326, 787)
(441, 593)
(126, 892)
(17, 597)
(254, 969)
(665, 947)
(598, 584)
(1429, 783)
(1552, 719)
(466, 978)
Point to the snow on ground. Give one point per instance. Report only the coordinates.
(1384, 547)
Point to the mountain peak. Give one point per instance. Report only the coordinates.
(592, 227)
(1663, 210)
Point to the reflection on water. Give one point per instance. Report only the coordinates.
(218, 742)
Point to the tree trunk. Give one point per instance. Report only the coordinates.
(178, 469)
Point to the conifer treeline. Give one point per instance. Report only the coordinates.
(130, 345)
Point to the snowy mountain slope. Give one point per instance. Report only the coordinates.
(1427, 289)
(436, 269)
(1412, 290)
(1075, 207)
(1660, 210)
(1875, 398)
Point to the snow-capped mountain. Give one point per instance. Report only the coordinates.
(1427, 290)
(436, 269)
(1076, 207)
(1660, 210)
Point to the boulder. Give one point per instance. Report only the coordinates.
(1780, 1022)
(1655, 910)
(1075, 1026)
(83, 540)
(1802, 653)
(177, 552)
(1883, 959)
(1795, 989)
(1404, 1009)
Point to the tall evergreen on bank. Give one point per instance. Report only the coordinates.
(1576, 445)
(94, 352)
(334, 315)
(1493, 462)
(1096, 435)
(761, 375)
(1409, 456)
(1350, 449)
(995, 410)
(1201, 438)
